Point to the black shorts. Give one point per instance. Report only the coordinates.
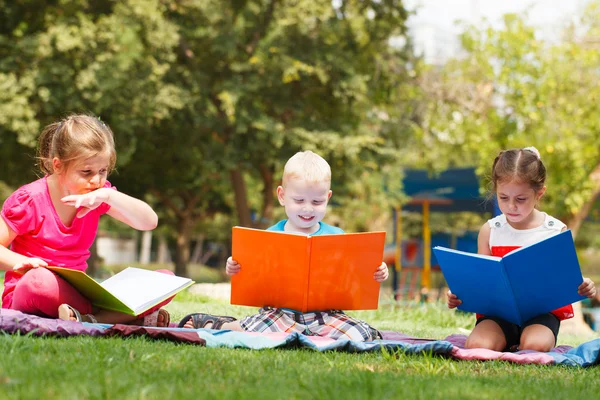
(512, 332)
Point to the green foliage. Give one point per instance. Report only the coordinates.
(201, 93)
(197, 272)
(512, 89)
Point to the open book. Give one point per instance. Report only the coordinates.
(306, 273)
(131, 291)
(526, 282)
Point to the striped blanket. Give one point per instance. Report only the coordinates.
(584, 355)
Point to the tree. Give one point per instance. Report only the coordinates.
(512, 89)
(260, 80)
(206, 97)
(101, 57)
(57, 58)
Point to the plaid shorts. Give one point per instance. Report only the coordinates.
(333, 324)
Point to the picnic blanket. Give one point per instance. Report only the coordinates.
(584, 355)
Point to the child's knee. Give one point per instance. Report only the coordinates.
(36, 289)
(37, 280)
(536, 344)
(483, 342)
(538, 338)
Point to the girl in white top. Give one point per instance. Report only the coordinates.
(518, 178)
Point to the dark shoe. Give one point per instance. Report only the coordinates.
(200, 320)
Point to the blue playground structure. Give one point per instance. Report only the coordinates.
(453, 190)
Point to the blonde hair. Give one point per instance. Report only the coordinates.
(73, 138)
(307, 166)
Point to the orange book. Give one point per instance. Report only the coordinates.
(306, 273)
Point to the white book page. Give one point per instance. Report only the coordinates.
(494, 258)
(138, 288)
(277, 232)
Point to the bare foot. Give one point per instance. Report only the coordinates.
(68, 313)
(65, 313)
(159, 319)
(163, 319)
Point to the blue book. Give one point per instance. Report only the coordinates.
(526, 282)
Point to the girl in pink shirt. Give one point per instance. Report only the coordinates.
(54, 220)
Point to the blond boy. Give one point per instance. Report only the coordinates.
(304, 193)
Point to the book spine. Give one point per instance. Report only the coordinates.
(512, 292)
(308, 264)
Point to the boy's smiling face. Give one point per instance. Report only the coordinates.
(305, 204)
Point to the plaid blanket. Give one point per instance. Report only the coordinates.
(584, 355)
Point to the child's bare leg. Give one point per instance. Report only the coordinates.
(102, 316)
(113, 317)
(108, 317)
(487, 335)
(537, 337)
(232, 326)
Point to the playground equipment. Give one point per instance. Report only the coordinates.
(406, 274)
(453, 190)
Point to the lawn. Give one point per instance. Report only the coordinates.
(137, 368)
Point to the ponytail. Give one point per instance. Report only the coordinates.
(45, 152)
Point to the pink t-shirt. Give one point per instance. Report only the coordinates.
(41, 234)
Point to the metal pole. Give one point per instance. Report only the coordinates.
(426, 276)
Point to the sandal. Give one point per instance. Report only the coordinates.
(152, 319)
(200, 320)
(66, 313)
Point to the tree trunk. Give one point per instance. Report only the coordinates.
(206, 256)
(182, 250)
(94, 260)
(146, 247)
(241, 197)
(574, 223)
(163, 256)
(197, 253)
(268, 200)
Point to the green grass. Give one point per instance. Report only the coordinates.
(197, 272)
(138, 368)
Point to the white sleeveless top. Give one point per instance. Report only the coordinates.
(504, 238)
(502, 234)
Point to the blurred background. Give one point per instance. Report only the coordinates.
(209, 98)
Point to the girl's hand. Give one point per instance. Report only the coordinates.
(382, 273)
(453, 301)
(587, 288)
(232, 267)
(87, 202)
(30, 263)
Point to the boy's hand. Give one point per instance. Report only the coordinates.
(88, 201)
(28, 264)
(382, 273)
(587, 288)
(453, 301)
(232, 267)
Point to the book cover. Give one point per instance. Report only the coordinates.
(529, 281)
(306, 273)
(131, 291)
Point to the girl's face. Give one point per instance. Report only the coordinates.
(517, 201)
(305, 203)
(84, 175)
